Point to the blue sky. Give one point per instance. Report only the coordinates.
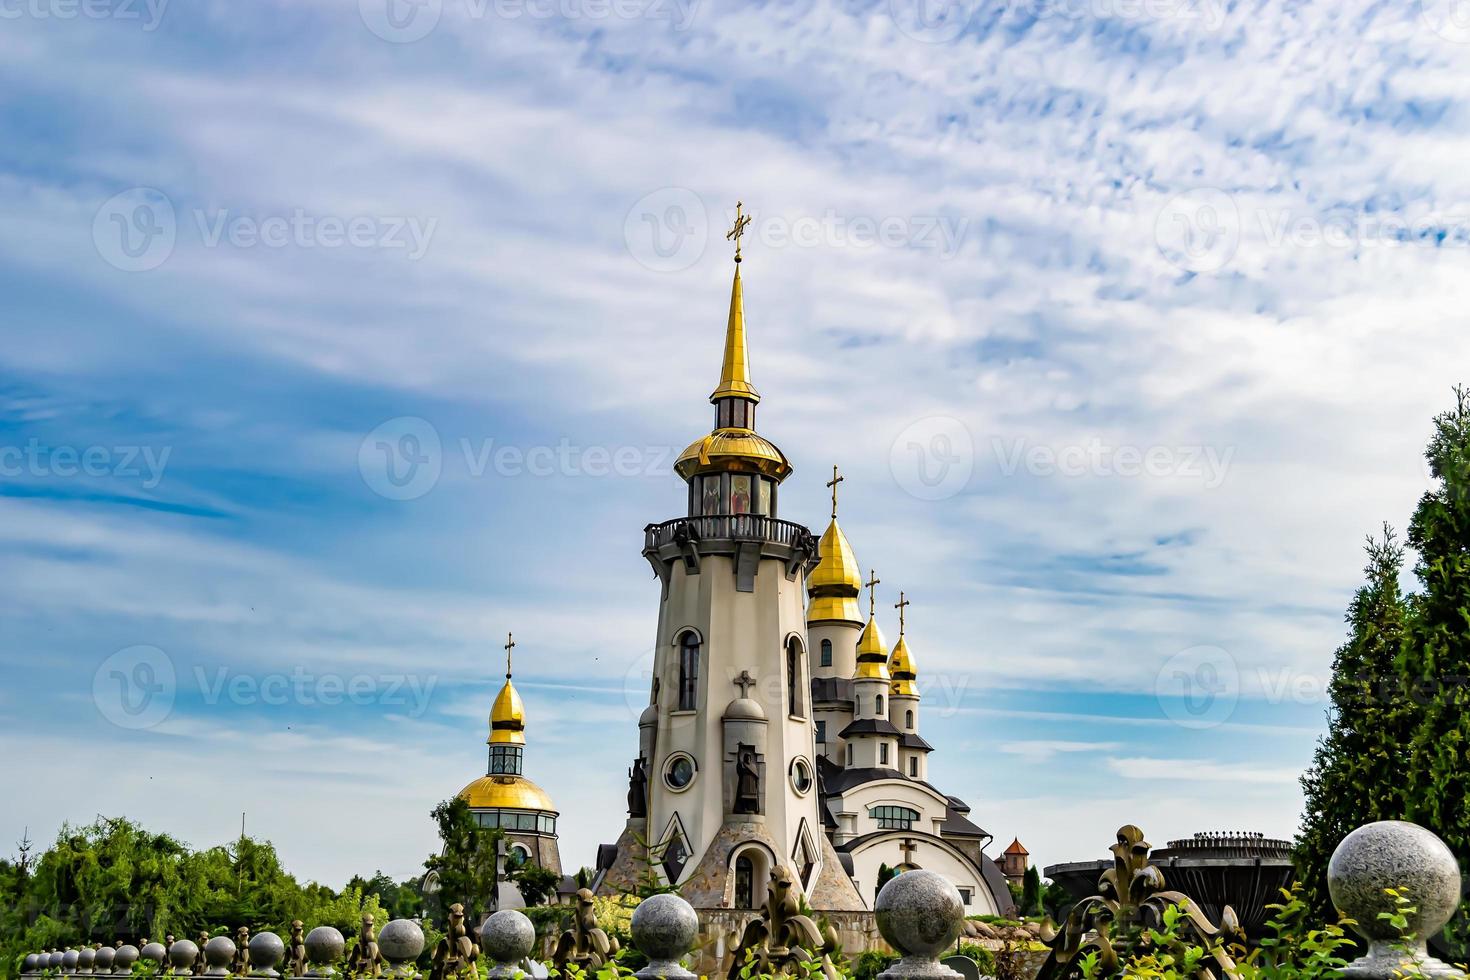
(1125, 321)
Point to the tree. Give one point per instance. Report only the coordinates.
(1437, 661)
(465, 864)
(1355, 773)
(537, 884)
(1031, 891)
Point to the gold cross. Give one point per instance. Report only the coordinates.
(872, 584)
(833, 484)
(741, 222)
(902, 602)
(510, 644)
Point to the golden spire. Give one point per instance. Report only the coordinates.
(735, 369)
(901, 662)
(508, 713)
(872, 654)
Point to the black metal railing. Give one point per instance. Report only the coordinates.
(726, 527)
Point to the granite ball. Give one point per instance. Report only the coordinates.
(182, 954)
(506, 937)
(102, 960)
(69, 960)
(324, 946)
(124, 958)
(1394, 854)
(920, 913)
(266, 951)
(154, 953)
(401, 941)
(29, 966)
(53, 961)
(664, 927)
(219, 952)
(86, 959)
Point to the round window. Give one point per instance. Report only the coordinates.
(679, 772)
(517, 857)
(801, 776)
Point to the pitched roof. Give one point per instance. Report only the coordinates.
(1016, 848)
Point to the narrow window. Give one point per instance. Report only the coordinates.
(821, 732)
(880, 704)
(744, 882)
(914, 766)
(688, 671)
(793, 678)
(883, 753)
(826, 653)
(908, 719)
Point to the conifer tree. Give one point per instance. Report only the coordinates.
(1437, 660)
(1355, 776)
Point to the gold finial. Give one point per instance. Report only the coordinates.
(899, 605)
(741, 223)
(872, 585)
(510, 644)
(833, 484)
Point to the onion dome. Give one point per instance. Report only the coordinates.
(872, 658)
(733, 450)
(836, 581)
(505, 792)
(901, 668)
(507, 717)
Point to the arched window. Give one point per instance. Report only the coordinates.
(793, 678)
(894, 817)
(882, 753)
(744, 882)
(826, 653)
(880, 704)
(908, 719)
(688, 671)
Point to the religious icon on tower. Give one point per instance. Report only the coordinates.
(747, 782)
(711, 496)
(740, 494)
(764, 502)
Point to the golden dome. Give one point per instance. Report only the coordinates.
(836, 581)
(505, 792)
(901, 667)
(733, 450)
(507, 717)
(872, 658)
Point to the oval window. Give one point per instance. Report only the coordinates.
(801, 776)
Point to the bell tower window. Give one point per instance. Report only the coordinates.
(505, 760)
(688, 671)
(826, 653)
(793, 679)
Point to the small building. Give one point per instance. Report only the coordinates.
(1014, 861)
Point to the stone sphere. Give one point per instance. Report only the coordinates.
(154, 953)
(102, 960)
(182, 954)
(324, 945)
(53, 961)
(86, 958)
(664, 927)
(401, 941)
(29, 966)
(69, 959)
(123, 960)
(920, 913)
(219, 951)
(1394, 854)
(266, 950)
(506, 937)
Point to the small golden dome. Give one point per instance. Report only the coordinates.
(507, 717)
(901, 667)
(733, 450)
(505, 792)
(836, 581)
(872, 657)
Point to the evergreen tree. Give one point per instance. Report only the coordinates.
(1437, 661)
(1355, 776)
(1031, 892)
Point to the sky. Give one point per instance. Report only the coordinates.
(343, 337)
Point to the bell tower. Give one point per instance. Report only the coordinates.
(726, 778)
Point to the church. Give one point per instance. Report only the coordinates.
(782, 731)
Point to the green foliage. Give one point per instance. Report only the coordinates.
(1030, 903)
(465, 864)
(1397, 736)
(112, 880)
(537, 884)
(871, 963)
(1293, 950)
(983, 957)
